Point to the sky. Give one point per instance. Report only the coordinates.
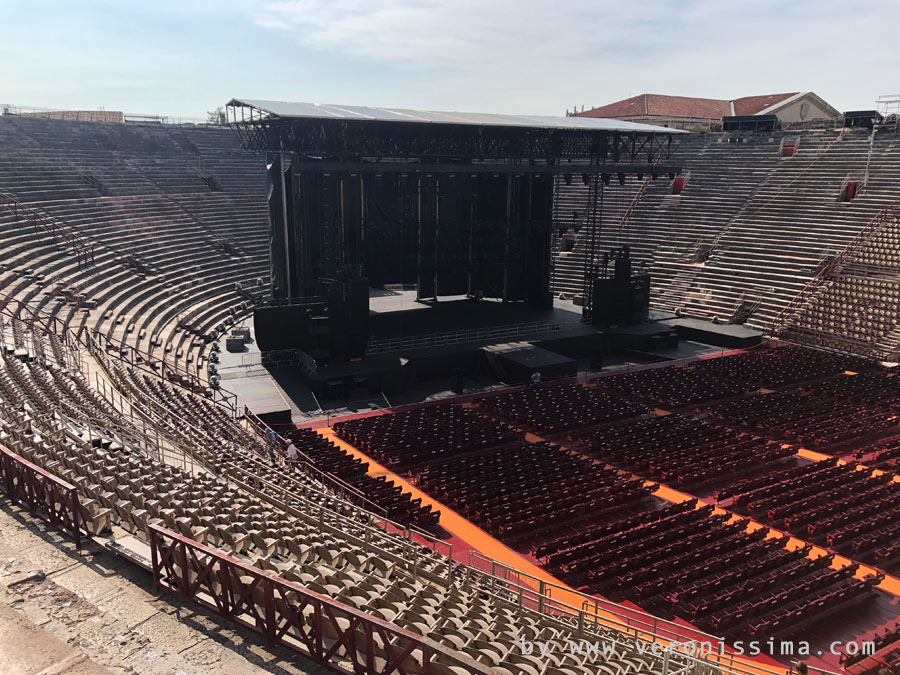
(184, 58)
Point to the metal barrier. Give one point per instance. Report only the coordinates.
(42, 493)
(287, 614)
(518, 330)
(546, 597)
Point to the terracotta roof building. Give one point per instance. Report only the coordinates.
(684, 112)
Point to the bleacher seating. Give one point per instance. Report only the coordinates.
(46, 417)
(750, 228)
(328, 457)
(856, 307)
(177, 217)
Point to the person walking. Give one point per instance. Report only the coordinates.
(293, 455)
(272, 441)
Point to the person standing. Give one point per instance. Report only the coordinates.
(272, 441)
(293, 456)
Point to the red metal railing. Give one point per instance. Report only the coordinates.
(781, 321)
(287, 614)
(41, 492)
(634, 203)
(82, 249)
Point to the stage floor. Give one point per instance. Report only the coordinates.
(278, 392)
(397, 314)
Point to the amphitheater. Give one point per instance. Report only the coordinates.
(672, 513)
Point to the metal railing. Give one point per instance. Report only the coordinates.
(42, 493)
(289, 615)
(784, 317)
(633, 205)
(683, 649)
(518, 330)
(82, 249)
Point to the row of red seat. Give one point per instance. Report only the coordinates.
(879, 391)
(624, 524)
(802, 604)
(571, 548)
(773, 368)
(884, 643)
(413, 436)
(674, 387)
(681, 451)
(561, 407)
(836, 505)
(810, 419)
(688, 594)
(881, 454)
(537, 490)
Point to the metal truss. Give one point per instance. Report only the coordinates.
(383, 142)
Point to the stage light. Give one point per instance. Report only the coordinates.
(621, 177)
(585, 178)
(605, 177)
(568, 178)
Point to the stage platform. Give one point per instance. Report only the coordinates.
(413, 370)
(721, 335)
(397, 314)
(516, 361)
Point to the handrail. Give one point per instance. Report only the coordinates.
(41, 492)
(469, 336)
(780, 323)
(634, 202)
(339, 485)
(82, 249)
(235, 589)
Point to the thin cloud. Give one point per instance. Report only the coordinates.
(544, 55)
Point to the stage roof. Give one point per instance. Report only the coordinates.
(285, 109)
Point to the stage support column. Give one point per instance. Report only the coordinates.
(537, 256)
(287, 237)
(508, 238)
(282, 227)
(426, 287)
(351, 195)
(309, 188)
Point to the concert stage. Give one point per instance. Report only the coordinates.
(414, 345)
